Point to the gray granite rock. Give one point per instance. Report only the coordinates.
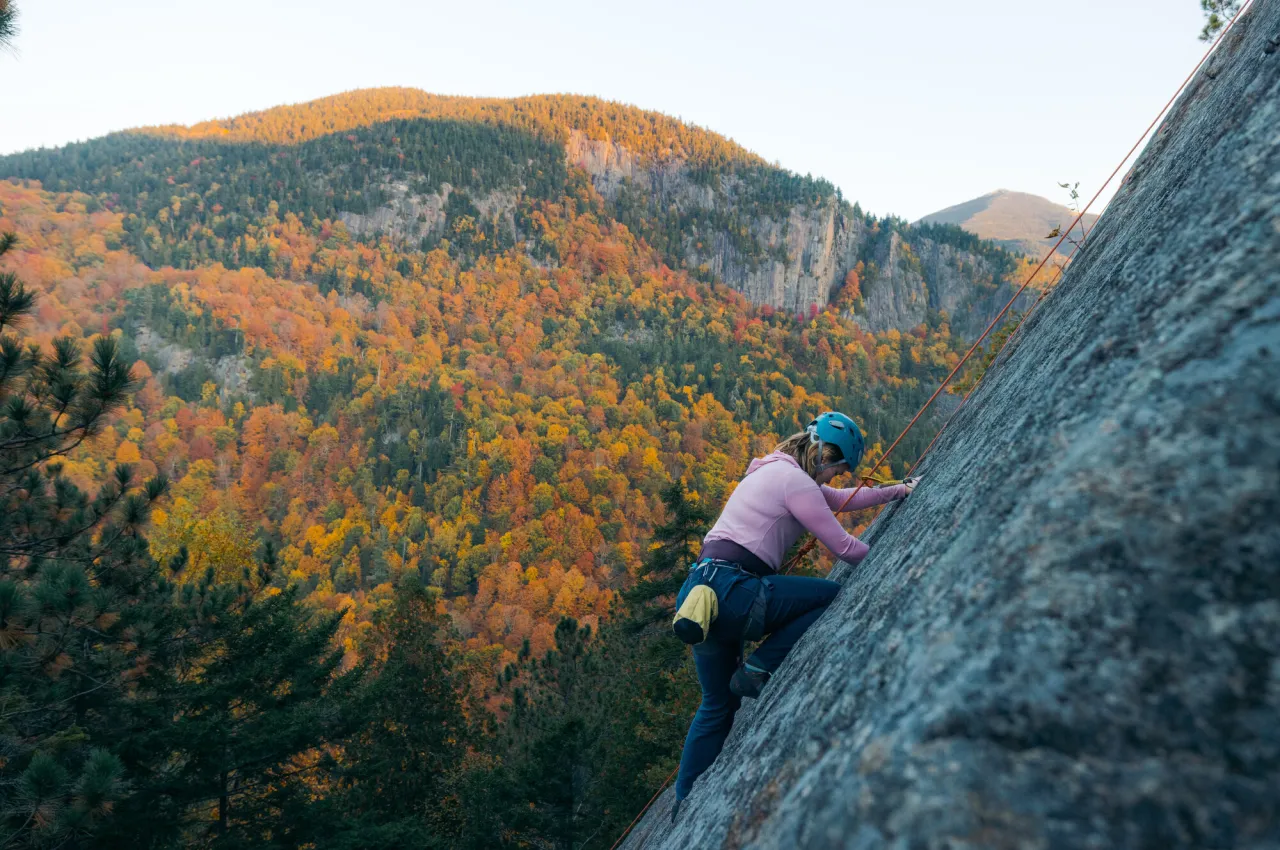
(1070, 635)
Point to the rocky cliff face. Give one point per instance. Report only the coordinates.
(410, 215)
(912, 278)
(793, 258)
(1070, 635)
(812, 248)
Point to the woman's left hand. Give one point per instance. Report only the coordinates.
(910, 484)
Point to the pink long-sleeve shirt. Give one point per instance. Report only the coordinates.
(775, 503)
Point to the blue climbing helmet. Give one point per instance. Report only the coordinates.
(840, 431)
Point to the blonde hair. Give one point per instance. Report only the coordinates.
(804, 449)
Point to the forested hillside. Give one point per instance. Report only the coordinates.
(415, 166)
(506, 412)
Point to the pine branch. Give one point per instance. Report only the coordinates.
(8, 29)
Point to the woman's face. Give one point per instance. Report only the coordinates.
(826, 475)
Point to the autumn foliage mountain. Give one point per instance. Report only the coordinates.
(651, 135)
(494, 408)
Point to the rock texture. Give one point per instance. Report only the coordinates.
(410, 215)
(1070, 635)
(406, 215)
(904, 279)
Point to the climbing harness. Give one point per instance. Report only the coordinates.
(1079, 218)
(701, 607)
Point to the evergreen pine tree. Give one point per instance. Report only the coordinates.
(651, 689)
(666, 565)
(8, 22)
(131, 712)
(553, 734)
(1217, 14)
(395, 783)
(80, 600)
(224, 751)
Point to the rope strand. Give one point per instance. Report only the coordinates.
(1016, 329)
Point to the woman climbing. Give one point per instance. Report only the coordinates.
(733, 593)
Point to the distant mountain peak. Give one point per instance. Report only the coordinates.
(1016, 221)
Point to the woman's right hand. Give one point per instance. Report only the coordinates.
(910, 484)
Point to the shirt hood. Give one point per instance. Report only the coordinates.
(773, 457)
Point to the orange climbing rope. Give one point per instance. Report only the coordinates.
(812, 541)
(636, 819)
(1078, 220)
(1016, 329)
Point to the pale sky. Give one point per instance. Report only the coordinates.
(908, 107)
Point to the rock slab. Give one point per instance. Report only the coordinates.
(1069, 637)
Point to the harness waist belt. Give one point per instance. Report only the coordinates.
(727, 550)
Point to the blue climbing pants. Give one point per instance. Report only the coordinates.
(794, 603)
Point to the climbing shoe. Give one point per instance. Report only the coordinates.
(675, 810)
(748, 683)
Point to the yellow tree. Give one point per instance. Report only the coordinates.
(216, 540)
